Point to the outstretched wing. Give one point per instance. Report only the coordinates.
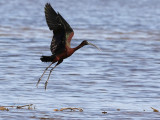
(61, 29)
(69, 31)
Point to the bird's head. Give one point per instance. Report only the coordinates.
(85, 42)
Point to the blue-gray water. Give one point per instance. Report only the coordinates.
(125, 75)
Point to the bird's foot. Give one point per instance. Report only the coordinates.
(38, 82)
(46, 85)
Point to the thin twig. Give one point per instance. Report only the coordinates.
(17, 106)
(72, 109)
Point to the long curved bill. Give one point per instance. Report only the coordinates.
(94, 46)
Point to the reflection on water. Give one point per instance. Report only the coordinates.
(124, 76)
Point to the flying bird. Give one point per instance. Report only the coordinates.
(60, 44)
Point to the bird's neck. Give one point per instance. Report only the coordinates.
(72, 50)
(78, 47)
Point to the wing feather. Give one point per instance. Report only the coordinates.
(61, 29)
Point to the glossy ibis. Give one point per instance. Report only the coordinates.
(60, 44)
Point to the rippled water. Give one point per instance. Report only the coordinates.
(124, 76)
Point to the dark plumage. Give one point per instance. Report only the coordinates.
(47, 58)
(60, 27)
(60, 44)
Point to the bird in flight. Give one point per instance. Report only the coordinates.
(60, 44)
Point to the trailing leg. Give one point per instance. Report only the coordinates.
(43, 74)
(60, 61)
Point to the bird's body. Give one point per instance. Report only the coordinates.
(60, 44)
(62, 55)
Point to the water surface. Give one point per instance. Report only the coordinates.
(124, 76)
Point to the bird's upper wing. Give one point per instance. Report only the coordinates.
(61, 29)
(69, 31)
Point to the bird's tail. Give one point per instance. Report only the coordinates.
(47, 58)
